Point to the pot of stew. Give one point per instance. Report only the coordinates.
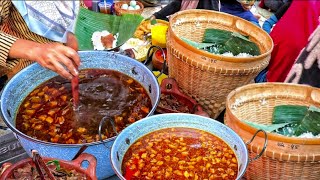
(180, 146)
(37, 105)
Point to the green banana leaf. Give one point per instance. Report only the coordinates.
(56, 163)
(267, 128)
(310, 122)
(294, 113)
(196, 44)
(227, 41)
(292, 120)
(89, 21)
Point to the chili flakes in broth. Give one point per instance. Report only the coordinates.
(179, 153)
(47, 113)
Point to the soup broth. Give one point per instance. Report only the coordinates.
(47, 112)
(179, 153)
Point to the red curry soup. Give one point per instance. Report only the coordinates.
(179, 153)
(47, 112)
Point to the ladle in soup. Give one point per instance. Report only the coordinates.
(75, 91)
(47, 112)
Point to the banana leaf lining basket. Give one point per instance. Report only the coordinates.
(208, 77)
(285, 157)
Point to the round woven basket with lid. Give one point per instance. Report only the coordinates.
(285, 157)
(205, 76)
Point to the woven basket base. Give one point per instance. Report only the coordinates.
(211, 107)
(278, 170)
(285, 157)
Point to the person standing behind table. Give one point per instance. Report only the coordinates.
(240, 8)
(34, 31)
(290, 36)
(179, 5)
(272, 5)
(268, 24)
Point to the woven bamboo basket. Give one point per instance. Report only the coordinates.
(285, 157)
(118, 11)
(207, 77)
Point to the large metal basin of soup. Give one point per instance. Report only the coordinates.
(179, 153)
(47, 112)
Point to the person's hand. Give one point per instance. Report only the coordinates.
(72, 41)
(314, 49)
(152, 17)
(55, 56)
(306, 60)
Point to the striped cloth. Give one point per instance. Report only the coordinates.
(13, 27)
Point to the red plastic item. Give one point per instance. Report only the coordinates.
(158, 60)
(170, 86)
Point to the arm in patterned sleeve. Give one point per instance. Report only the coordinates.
(6, 40)
(54, 56)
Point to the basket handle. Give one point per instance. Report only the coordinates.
(91, 169)
(264, 146)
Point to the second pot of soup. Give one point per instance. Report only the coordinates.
(179, 146)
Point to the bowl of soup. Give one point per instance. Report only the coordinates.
(114, 91)
(179, 146)
(60, 169)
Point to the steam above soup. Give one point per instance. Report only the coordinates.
(179, 153)
(47, 113)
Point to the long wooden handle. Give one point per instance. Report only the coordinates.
(38, 167)
(75, 91)
(39, 162)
